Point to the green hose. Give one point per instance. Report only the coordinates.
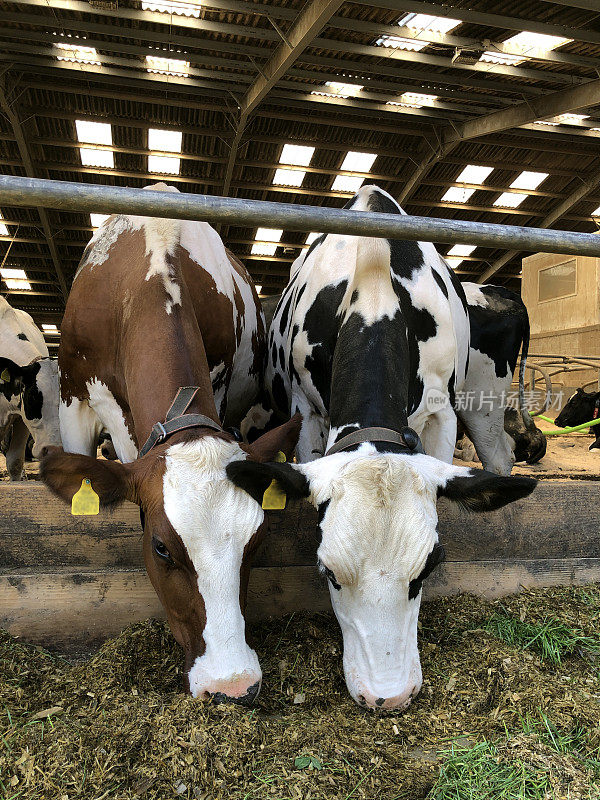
(562, 431)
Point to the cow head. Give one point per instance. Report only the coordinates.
(528, 443)
(379, 542)
(579, 409)
(200, 532)
(37, 387)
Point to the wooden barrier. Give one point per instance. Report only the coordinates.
(68, 582)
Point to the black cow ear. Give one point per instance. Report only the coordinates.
(12, 374)
(479, 490)
(255, 478)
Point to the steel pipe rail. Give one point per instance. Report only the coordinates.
(68, 196)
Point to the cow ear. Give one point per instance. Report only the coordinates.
(479, 490)
(13, 377)
(63, 474)
(255, 478)
(284, 438)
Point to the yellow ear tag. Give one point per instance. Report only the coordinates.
(5, 376)
(85, 502)
(274, 497)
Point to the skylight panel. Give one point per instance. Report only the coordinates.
(492, 57)
(184, 8)
(165, 141)
(167, 66)
(3, 228)
(570, 119)
(77, 53)
(425, 22)
(288, 177)
(473, 173)
(417, 100)
(92, 157)
(457, 195)
(510, 199)
(400, 43)
(454, 262)
(164, 165)
(15, 278)
(258, 288)
(311, 238)
(169, 141)
(462, 249)
(336, 89)
(49, 328)
(97, 220)
(90, 132)
(296, 154)
(528, 180)
(353, 162)
(264, 237)
(358, 162)
(596, 213)
(544, 122)
(418, 23)
(529, 43)
(345, 183)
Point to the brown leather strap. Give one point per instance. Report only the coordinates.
(368, 435)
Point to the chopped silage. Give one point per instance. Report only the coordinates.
(116, 724)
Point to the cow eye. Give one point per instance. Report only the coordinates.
(161, 550)
(329, 575)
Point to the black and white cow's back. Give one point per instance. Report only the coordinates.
(499, 330)
(28, 387)
(347, 296)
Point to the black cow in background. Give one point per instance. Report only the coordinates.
(581, 407)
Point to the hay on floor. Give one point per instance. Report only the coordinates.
(116, 724)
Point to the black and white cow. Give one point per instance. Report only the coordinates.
(499, 328)
(581, 407)
(28, 387)
(373, 333)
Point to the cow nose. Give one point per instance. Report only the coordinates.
(243, 700)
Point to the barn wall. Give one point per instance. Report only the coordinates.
(68, 582)
(568, 325)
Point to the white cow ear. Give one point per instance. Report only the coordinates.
(479, 490)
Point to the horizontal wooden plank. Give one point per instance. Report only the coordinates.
(68, 610)
(37, 531)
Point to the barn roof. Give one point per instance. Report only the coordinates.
(422, 90)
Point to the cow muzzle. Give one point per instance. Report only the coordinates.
(239, 684)
(399, 702)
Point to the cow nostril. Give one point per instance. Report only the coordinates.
(43, 452)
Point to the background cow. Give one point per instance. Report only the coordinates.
(157, 305)
(499, 330)
(371, 336)
(581, 407)
(28, 387)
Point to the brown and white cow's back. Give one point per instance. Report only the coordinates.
(147, 288)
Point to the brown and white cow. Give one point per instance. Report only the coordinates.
(157, 305)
